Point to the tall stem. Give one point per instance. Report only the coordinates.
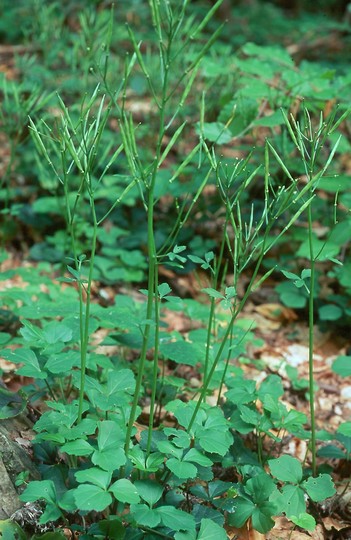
(311, 340)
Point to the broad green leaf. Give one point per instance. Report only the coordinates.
(9, 530)
(40, 489)
(195, 456)
(111, 459)
(89, 497)
(209, 530)
(175, 519)
(215, 441)
(319, 488)
(261, 517)
(110, 435)
(286, 468)
(31, 366)
(149, 490)
(243, 511)
(342, 366)
(144, 515)
(125, 491)
(330, 312)
(305, 521)
(56, 332)
(332, 452)
(345, 429)
(260, 487)
(95, 476)
(244, 392)
(291, 500)
(79, 447)
(182, 469)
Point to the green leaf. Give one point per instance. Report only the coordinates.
(342, 366)
(56, 332)
(345, 429)
(144, 515)
(95, 476)
(215, 132)
(286, 468)
(195, 456)
(125, 491)
(181, 469)
(148, 490)
(175, 519)
(261, 517)
(209, 530)
(213, 293)
(332, 452)
(305, 521)
(319, 488)
(9, 530)
(88, 497)
(260, 487)
(79, 447)
(290, 500)
(110, 460)
(112, 529)
(330, 312)
(244, 509)
(40, 489)
(163, 289)
(244, 392)
(31, 366)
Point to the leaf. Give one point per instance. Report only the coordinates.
(9, 530)
(330, 312)
(79, 447)
(305, 521)
(56, 332)
(111, 459)
(290, 500)
(215, 132)
(163, 289)
(243, 511)
(11, 403)
(95, 476)
(110, 435)
(148, 490)
(39, 489)
(88, 497)
(145, 516)
(125, 491)
(260, 487)
(286, 468)
(319, 488)
(197, 457)
(345, 429)
(175, 519)
(209, 530)
(31, 366)
(181, 469)
(261, 517)
(342, 366)
(213, 293)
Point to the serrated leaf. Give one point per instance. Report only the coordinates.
(195, 456)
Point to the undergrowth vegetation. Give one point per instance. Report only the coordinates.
(145, 143)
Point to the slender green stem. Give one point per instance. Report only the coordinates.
(311, 340)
